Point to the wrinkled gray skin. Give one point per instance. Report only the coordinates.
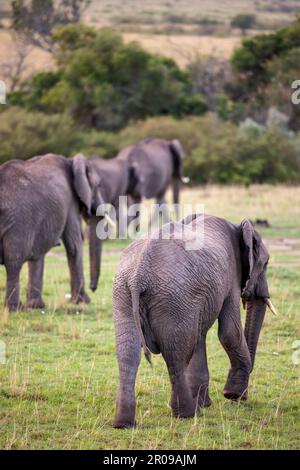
(167, 298)
(154, 164)
(40, 204)
(113, 179)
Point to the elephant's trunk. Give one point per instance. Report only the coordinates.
(255, 315)
(95, 249)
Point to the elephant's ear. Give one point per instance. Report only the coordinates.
(254, 257)
(81, 182)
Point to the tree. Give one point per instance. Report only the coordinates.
(243, 22)
(104, 83)
(36, 19)
(16, 64)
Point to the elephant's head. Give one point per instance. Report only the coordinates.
(255, 292)
(87, 184)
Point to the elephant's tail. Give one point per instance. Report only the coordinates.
(135, 297)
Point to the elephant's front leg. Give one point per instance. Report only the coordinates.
(233, 340)
(72, 240)
(12, 298)
(35, 284)
(198, 374)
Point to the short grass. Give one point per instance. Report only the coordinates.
(58, 386)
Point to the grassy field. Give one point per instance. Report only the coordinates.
(58, 387)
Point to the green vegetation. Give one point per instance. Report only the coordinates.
(265, 66)
(58, 387)
(216, 151)
(105, 94)
(243, 22)
(103, 82)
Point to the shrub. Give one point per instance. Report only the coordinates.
(24, 134)
(220, 152)
(103, 83)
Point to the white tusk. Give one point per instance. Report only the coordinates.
(185, 179)
(110, 221)
(271, 307)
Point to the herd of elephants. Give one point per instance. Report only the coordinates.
(165, 297)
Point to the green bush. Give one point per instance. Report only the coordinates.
(216, 151)
(24, 134)
(220, 152)
(103, 83)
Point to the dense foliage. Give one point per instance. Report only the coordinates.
(265, 67)
(104, 83)
(105, 94)
(216, 151)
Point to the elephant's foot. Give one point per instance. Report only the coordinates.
(184, 413)
(236, 387)
(204, 401)
(201, 395)
(14, 307)
(120, 424)
(35, 303)
(82, 297)
(184, 410)
(235, 393)
(125, 416)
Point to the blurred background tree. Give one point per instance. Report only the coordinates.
(234, 117)
(37, 19)
(244, 22)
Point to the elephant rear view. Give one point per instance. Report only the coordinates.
(168, 292)
(155, 163)
(41, 201)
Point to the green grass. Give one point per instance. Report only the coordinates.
(58, 387)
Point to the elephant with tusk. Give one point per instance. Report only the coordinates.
(166, 297)
(111, 179)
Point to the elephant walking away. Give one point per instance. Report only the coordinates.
(166, 298)
(113, 181)
(154, 164)
(41, 201)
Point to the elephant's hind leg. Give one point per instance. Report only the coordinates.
(35, 284)
(198, 374)
(128, 345)
(182, 402)
(233, 340)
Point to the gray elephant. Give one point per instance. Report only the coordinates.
(154, 164)
(41, 200)
(113, 181)
(166, 297)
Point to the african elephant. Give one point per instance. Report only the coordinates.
(154, 164)
(166, 297)
(40, 203)
(113, 181)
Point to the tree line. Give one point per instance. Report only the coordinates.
(245, 126)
